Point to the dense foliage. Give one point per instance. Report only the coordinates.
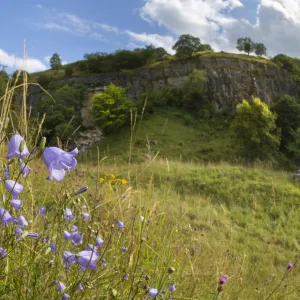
(62, 112)
(255, 132)
(195, 94)
(248, 46)
(55, 62)
(187, 45)
(100, 62)
(287, 110)
(111, 109)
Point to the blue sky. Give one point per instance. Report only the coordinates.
(73, 28)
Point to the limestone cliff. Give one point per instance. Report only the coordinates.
(230, 80)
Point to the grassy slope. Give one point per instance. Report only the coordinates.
(231, 220)
(175, 140)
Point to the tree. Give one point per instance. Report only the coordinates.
(111, 109)
(55, 62)
(205, 47)
(245, 45)
(195, 93)
(186, 45)
(161, 52)
(260, 49)
(254, 130)
(288, 118)
(62, 113)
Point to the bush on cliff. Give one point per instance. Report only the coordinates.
(111, 109)
(254, 129)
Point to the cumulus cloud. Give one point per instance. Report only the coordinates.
(155, 39)
(14, 62)
(277, 24)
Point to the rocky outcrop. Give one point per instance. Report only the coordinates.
(88, 138)
(230, 80)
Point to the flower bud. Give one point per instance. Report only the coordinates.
(171, 270)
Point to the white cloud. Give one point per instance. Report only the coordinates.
(39, 6)
(54, 26)
(277, 24)
(14, 62)
(47, 59)
(155, 39)
(71, 23)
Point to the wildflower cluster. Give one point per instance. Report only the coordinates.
(113, 180)
(76, 251)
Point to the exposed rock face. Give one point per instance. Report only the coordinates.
(88, 138)
(230, 80)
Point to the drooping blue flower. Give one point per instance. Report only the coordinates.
(152, 292)
(68, 215)
(103, 259)
(76, 238)
(33, 235)
(24, 169)
(22, 221)
(121, 225)
(3, 252)
(5, 217)
(68, 257)
(18, 233)
(82, 190)
(87, 259)
(60, 287)
(67, 236)
(74, 228)
(42, 211)
(91, 247)
(65, 297)
(58, 162)
(15, 145)
(124, 249)
(6, 173)
(290, 266)
(85, 216)
(126, 277)
(99, 242)
(172, 288)
(80, 287)
(53, 247)
(16, 204)
(14, 188)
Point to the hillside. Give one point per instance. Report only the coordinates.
(168, 133)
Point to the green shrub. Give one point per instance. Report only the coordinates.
(44, 78)
(111, 109)
(254, 130)
(195, 94)
(159, 98)
(68, 71)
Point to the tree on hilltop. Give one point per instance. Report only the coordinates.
(260, 49)
(245, 45)
(186, 45)
(55, 62)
